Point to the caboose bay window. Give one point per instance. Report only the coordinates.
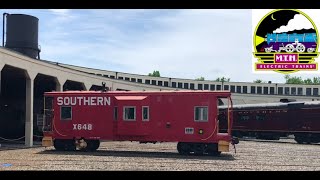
(129, 113)
(201, 113)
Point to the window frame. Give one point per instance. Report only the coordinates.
(293, 91)
(272, 92)
(206, 87)
(300, 91)
(244, 89)
(186, 85)
(65, 119)
(124, 115)
(266, 90)
(200, 120)
(238, 89)
(192, 86)
(253, 89)
(259, 90)
(280, 91)
(286, 90)
(315, 91)
(233, 88)
(308, 91)
(143, 119)
(212, 87)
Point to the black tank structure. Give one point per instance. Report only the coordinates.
(22, 34)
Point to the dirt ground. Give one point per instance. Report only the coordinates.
(251, 155)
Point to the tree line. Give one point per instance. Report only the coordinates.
(288, 79)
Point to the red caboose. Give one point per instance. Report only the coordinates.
(81, 119)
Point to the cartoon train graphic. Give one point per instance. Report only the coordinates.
(290, 43)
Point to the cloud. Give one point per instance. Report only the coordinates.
(298, 22)
(179, 43)
(60, 12)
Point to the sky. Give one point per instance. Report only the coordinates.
(188, 43)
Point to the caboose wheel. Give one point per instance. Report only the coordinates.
(198, 148)
(298, 140)
(183, 148)
(212, 149)
(92, 145)
(64, 145)
(58, 145)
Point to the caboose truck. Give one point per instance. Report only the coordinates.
(79, 120)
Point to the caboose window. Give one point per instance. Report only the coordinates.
(66, 113)
(145, 113)
(201, 113)
(129, 113)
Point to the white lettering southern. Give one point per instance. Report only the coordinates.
(84, 101)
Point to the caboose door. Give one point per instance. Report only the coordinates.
(224, 117)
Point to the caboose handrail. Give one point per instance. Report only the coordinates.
(214, 130)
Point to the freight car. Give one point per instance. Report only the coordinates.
(274, 120)
(79, 120)
(306, 42)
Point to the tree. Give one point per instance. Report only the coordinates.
(258, 81)
(293, 80)
(223, 79)
(200, 79)
(299, 80)
(154, 74)
(316, 80)
(307, 81)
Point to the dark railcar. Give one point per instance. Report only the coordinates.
(274, 120)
